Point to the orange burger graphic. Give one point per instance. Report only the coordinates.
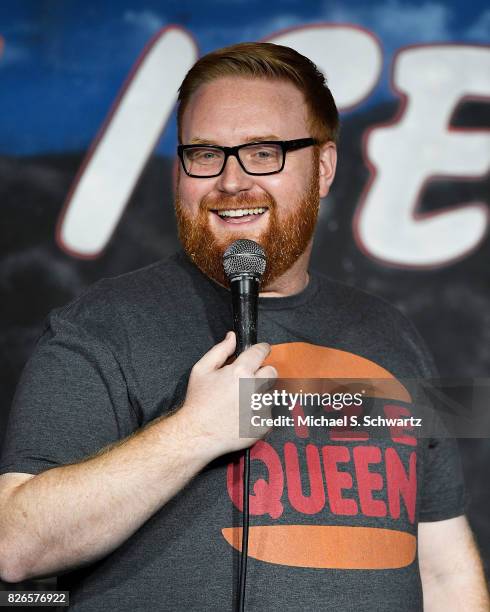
(345, 501)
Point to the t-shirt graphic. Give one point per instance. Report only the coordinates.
(383, 478)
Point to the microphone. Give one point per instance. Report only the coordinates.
(244, 263)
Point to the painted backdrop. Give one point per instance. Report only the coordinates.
(87, 141)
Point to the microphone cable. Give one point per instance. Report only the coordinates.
(245, 524)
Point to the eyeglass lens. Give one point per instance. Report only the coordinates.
(256, 158)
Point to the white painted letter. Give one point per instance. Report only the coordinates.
(116, 160)
(418, 146)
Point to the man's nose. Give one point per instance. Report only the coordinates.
(234, 179)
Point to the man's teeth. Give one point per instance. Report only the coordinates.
(241, 212)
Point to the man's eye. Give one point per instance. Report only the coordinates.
(264, 154)
(202, 155)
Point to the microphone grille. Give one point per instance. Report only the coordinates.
(244, 257)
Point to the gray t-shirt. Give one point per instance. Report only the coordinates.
(333, 521)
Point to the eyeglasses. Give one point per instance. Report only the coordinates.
(256, 158)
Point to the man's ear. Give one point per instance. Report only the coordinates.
(327, 165)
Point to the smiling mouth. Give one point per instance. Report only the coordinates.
(235, 213)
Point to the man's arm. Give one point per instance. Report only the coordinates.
(75, 514)
(69, 516)
(450, 567)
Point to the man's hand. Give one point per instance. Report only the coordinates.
(450, 568)
(211, 405)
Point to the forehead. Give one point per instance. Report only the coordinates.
(233, 110)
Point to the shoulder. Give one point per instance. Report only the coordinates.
(378, 324)
(358, 300)
(359, 303)
(133, 287)
(112, 302)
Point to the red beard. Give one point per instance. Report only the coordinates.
(283, 241)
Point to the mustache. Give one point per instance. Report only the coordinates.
(243, 200)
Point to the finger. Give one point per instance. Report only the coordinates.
(251, 359)
(267, 371)
(218, 354)
(265, 379)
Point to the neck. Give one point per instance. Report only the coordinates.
(293, 280)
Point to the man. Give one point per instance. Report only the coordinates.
(121, 472)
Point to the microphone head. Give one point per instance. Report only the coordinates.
(244, 257)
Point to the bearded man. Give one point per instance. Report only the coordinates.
(121, 470)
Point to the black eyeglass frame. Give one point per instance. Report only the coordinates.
(286, 145)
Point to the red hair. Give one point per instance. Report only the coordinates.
(267, 61)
